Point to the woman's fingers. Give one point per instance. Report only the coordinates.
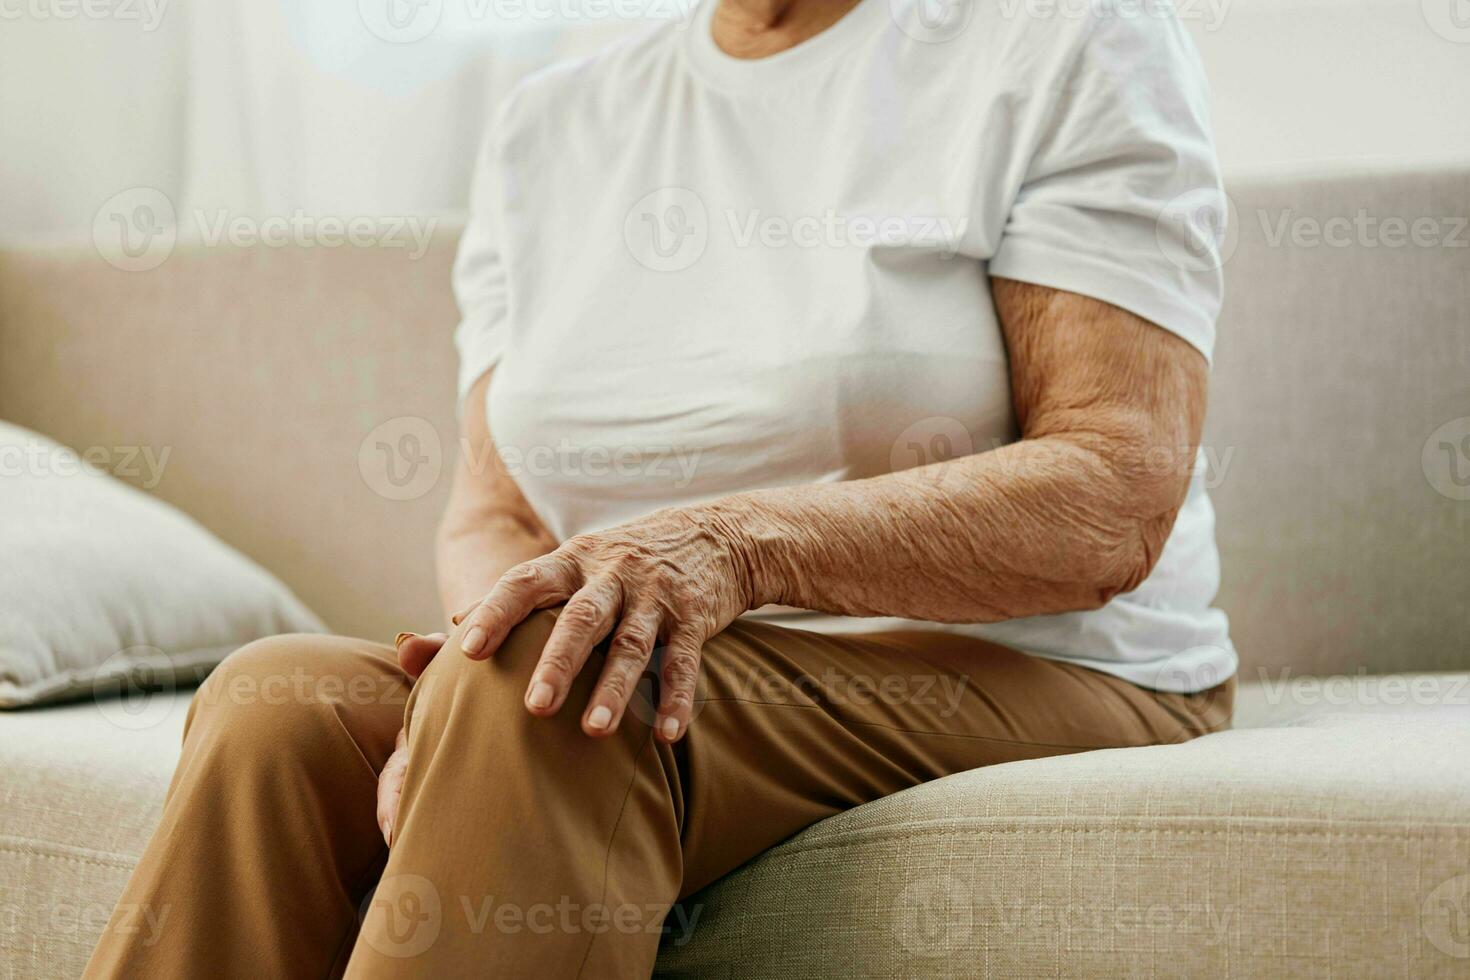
(390, 787)
(618, 582)
(415, 651)
(518, 593)
(587, 617)
(627, 656)
(677, 679)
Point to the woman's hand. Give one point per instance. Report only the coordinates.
(670, 580)
(414, 654)
(390, 787)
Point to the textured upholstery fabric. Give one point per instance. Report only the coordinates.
(270, 371)
(82, 789)
(1335, 843)
(1338, 847)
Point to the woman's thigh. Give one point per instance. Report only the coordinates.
(793, 726)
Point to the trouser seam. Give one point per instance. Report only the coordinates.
(612, 838)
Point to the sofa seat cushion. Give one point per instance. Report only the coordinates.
(1328, 843)
(82, 788)
(1333, 842)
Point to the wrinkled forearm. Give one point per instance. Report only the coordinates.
(1040, 526)
(1077, 511)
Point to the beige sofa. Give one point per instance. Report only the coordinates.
(1327, 835)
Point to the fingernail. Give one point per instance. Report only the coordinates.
(474, 640)
(401, 637)
(541, 695)
(388, 833)
(669, 728)
(599, 717)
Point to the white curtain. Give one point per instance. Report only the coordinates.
(264, 108)
(87, 108)
(300, 105)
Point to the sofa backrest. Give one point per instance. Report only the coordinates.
(303, 397)
(264, 373)
(1340, 417)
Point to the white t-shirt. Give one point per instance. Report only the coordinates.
(697, 275)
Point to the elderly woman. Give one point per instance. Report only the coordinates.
(832, 388)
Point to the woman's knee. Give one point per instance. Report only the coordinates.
(298, 693)
(488, 691)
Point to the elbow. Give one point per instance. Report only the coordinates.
(1092, 567)
(453, 525)
(1107, 531)
(458, 524)
(1147, 491)
(1121, 534)
(1137, 543)
(1128, 565)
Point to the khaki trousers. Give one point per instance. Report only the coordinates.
(525, 848)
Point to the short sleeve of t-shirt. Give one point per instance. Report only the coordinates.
(1122, 200)
(479, 278)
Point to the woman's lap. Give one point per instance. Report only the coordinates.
(793, 726)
